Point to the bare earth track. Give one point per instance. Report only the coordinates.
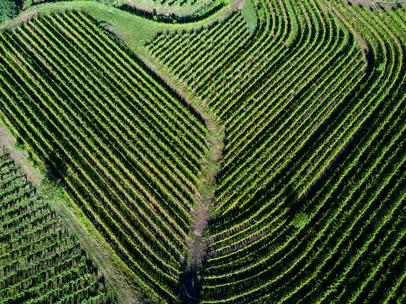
(73, 218)
(376, 4)
(9, 143)
(204, 198)
(206, 184)
(263, 210)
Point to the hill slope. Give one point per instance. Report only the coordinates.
(310, 200)
(257, 158)
(39, 260)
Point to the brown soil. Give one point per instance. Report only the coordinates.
(362, 43)
(377, 4)
(75, 220)
(20, 157)
(238, 4)
(198, 246)
(235, 6)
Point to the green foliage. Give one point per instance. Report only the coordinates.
(123, 145)
(250, 14)
(8, 10)
(27, 4)
(309, 197)
(313, 141)
(300, 220)
(381, 67)
(293, 24)
(39, 251)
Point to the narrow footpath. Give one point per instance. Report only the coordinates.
(205, 193)
(205, 186)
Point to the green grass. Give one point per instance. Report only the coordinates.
(165, 7)
(133, 30)
(118, 276)
(39, 258)
(303, 166)
(176, 7)
(250, 15)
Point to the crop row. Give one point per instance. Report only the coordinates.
(39, 260)
(125, 149)
(309, 200)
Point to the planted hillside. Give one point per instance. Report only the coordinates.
(310, 199)
(126, 150)
(254, 156)
(40, 262)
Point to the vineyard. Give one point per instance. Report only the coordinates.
(310, 199)
(39, 260)
(256, 155)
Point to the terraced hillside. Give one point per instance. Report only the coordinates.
(40, 262)
(254, 157)
(310, 199)
(127, 151)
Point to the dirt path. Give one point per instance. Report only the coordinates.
(206, 187)
(77, 223)
(237, 5)
(206, 184)
(117, 276)
(377, 4)
(20, 157)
